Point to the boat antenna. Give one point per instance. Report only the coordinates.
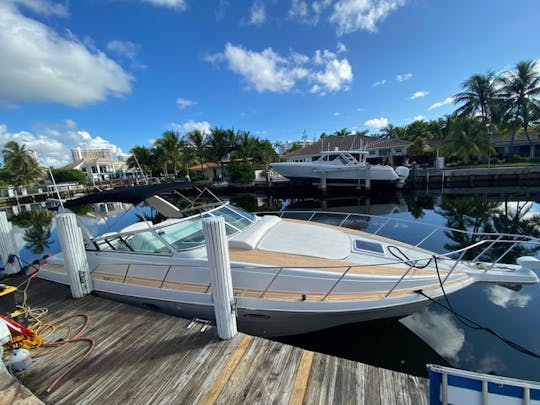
(353, 139)
(140, 169)
(56, 188)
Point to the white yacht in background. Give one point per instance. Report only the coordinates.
(341, 167)
(289, 276)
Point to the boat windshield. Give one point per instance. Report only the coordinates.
(180, 234)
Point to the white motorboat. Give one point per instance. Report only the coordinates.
(341, 167)
(290, 276)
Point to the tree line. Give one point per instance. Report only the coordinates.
(172, 154)
(504, 104)
(489, 104)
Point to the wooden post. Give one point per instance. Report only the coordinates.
(219, 266)
(7, 245)
(75, 260)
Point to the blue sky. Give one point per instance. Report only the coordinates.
(119, 73)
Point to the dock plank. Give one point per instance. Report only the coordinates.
(148, 357)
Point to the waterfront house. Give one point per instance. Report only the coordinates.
(215, 170)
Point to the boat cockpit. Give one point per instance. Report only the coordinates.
(172, 235)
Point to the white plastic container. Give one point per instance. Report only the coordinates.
(20, 360)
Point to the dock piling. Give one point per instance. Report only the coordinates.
(75, 260)
(219, 266)
(7, 245)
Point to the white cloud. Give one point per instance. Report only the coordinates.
(439, 330)
(337, 73)
(190, 125)
(505, 298)
(376, 123)
(340, 48)
(257, 13)
(379, 83)
(353, 15)
(123, 48)
(184, 103)
(43, 7)
(337, 114)
(419, 118)
(127, 50)
(447, 100)
(308, 12)
(174, 4)
(403, 77)
(38, 65)
(53, 144)
(269, 71)
(418, 94)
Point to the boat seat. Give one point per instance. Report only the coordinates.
(250, 237)
(307, 240)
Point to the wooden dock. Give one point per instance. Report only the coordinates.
(147, 357)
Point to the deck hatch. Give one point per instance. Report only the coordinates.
(360, 244)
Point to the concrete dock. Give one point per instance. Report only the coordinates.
(147, 357)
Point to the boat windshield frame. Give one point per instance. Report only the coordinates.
(174, 234)
(348, 157)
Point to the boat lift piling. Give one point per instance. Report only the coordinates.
(219, 265)
(8, 251)
(75, 260)
(367, 182)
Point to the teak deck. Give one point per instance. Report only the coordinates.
(147, 357)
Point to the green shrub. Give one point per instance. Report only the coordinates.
(66, 175)
(241, 172)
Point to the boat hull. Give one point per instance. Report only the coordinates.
(312, 171)
(260, 317)
(267, 323)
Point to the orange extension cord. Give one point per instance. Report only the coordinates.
(75, 339)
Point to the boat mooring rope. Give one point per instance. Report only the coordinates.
(469, 322)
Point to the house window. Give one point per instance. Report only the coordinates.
(398, 150)
(373, 152)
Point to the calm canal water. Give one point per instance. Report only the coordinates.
(431, 336)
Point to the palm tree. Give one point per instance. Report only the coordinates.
(479, 95)
(341, 132)
(466, 137)
(467, 214)
(20, 165)
(521, 88)
(391, 131)
(141, 156)
(264, 152)
(245, 145)
(37, 231)
(218, 144)
(169, 148)
(197, 140)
